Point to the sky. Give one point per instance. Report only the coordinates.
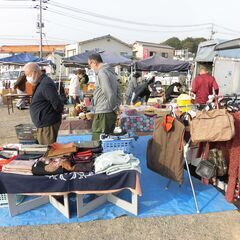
(69, 21)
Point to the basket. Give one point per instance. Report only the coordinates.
(112, 144)
(26, 131)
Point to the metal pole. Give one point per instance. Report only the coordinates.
(190, 178)
(40, 27)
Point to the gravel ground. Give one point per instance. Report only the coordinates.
(214, 226)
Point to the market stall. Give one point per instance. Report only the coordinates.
(68, 168)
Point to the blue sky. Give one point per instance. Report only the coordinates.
(66, 23)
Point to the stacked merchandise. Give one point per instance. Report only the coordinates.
(58, 158)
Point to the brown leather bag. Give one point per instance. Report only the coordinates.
(212, 126)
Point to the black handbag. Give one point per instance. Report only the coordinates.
(206, 169)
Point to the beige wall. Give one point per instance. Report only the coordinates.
(107, 45)
(71, 49)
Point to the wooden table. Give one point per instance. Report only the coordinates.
(11, 96)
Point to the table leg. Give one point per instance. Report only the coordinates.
(15, 209)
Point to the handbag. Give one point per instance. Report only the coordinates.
(216, 156)
(206, 169)
(212, 126)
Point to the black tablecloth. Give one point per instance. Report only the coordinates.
(68, 182)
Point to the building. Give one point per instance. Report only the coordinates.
(33, 49)
(184, 54)
(142, 50)
(107, 43)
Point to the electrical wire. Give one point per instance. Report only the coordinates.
(67, 7)
(121, 27)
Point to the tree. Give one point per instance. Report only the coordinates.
(173, 42)
(188, 43)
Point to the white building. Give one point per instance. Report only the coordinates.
(107, 43)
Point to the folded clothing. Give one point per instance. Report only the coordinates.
(116, 161)
(28, 156)
(19, 167)
(57, 149)
(88, 144)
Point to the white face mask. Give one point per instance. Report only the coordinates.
(30, 80)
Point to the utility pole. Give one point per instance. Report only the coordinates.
(212, 32)
(40, 28)
(40, 24)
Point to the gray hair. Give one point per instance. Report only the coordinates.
(32, 67)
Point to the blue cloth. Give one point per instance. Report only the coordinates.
(155, 201)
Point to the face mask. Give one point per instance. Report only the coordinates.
(30, 80)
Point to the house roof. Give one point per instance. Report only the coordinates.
(154, 45)
(103, 37)
(30, 48)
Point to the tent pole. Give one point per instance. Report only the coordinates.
(59, 79)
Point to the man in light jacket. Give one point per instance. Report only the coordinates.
(106, 97)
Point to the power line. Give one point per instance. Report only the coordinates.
(67, 7)
(120, 27)
(228, 29)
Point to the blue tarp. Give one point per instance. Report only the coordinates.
(23, 58)
(155, 200)
(107, 57)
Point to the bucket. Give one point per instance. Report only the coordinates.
(184, 101)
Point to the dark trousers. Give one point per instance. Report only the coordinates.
(103, 123)
(48, 135)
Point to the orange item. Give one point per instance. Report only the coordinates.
(6, 161)
(29, 88)
(167, 123)
(90, 86)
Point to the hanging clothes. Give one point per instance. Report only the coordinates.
(233, 149)
(165, 149)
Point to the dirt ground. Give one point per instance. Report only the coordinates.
(214, 226)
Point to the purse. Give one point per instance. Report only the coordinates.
(212, 126)
(206, 169)
(216, 156)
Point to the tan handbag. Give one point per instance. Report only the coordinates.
(212, 126)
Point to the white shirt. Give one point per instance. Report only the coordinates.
(74, 86)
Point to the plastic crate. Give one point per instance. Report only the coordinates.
(4, 199)
(113, 144)
(26, 131)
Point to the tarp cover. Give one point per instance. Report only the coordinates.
(155, 201)
(23, 58)
(107, 57)
(209, 49)
(161, 64)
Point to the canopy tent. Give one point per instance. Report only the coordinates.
(161, 64)
(23, 58)
(107, 57)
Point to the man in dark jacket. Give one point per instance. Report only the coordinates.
(143, 91)
(46, 107)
